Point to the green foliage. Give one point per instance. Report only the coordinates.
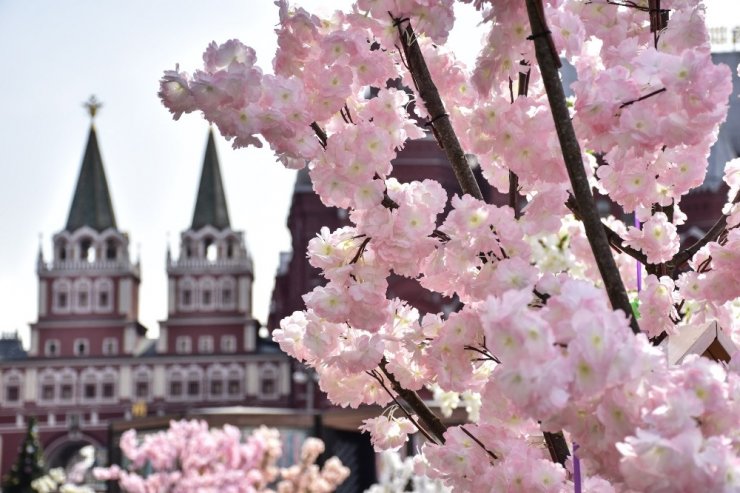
(30, 463)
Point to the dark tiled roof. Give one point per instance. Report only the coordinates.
(91, 204)
(11, 349)
(210, 206)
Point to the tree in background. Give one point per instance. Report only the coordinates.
(545, 345)
(190, 458)
(30, 463)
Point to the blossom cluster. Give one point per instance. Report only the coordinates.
(190, 457)
(533, 344)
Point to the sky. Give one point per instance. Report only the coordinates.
(56, 54)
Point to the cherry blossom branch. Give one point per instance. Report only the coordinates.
(319, 133)
(714, 232)
(410, 417)
(616, 241)
(440, 120)
(480, 444)
(642, 98)
(574, 164)
(431, 421)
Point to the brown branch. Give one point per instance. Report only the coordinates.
(557, 446)
(514, 193)
(319, 133)
(574, 164)
(714, 232)
(428, 93)
(615, 241)
(641, 98)
(431, 421)
(410, 417)
(480, 444)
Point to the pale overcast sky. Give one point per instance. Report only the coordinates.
(55, 55)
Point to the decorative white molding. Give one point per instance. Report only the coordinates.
(250, 337)
(124, 296)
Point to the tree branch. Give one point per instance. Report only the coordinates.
(714, 232)
(557, 446)
(574, 164)
(431, 421)
(616, 241)
(440, 120)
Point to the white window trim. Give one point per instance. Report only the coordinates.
(47, 346)
(228, 347)
(205, 344)
(81, 340)
(12, 378)
(110, 346)
(61, 286)
(102, 286)
(183, 344)
(275, 374)
(82, 286)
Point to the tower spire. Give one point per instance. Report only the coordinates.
(210, 206)
(91, 203)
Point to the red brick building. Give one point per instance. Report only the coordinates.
(90, 363)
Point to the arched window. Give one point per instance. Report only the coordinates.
(216, 376)
(52, 347)
(210, 250)
(82, 296)
(142, 383)
(67, 385)
(81, 347)
(228, 344)
(194, 381)
(111, 249)
(227, 288)
(47, 387)
(206, 294)
(87, 250)
(12, 385)
(61, 293)
(183, 344)
(108, 384)
(176, 383)
(205, 344)
(89, 385)
(187, 292)
(268, 382)
(61, 250)
(103, 295)
(234, 379)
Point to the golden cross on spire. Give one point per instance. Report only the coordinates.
(92, 105)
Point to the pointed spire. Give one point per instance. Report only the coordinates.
(91, 204)
(210, 206)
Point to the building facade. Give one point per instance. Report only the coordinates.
(90, 362)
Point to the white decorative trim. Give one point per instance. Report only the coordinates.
(82, 296)
(61, 287)
(81, 346)
(183, 345)
(110, 346)
(228, 343)
(205, 344)
(43, 298)
(12, 378)
(102, 287)
(48, 344)
(269, 372)
(124, 296)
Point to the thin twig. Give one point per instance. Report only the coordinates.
(642, 98)
(431, 421)
(401, 407)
